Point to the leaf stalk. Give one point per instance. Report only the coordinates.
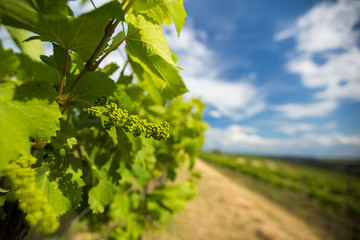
(59, 100)
(107, 53)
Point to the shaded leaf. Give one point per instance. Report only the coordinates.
(31, 48)
(20, 120)
(30, 69)
(110, 68)
(80, 34)
(119, 207)
(61, 183)
(93, 85)
(9, 62)
(57, 59)
(101, 195)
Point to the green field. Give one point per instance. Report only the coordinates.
(327, 198)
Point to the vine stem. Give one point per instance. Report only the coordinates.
(128, 6)
(89, 66)
(107, 53)
(59, 100)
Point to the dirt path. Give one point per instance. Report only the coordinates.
(223, 210)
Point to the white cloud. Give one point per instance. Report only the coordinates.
(331, 125)
(295, 111)
(215, 114)
(339, 76)
(333, 139)
(327, 26)
(235, 139)
(194, 56)
(325, 33)
(292, 128)
(236, 99)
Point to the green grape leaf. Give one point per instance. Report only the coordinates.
(110, 10)
(2, 201)
(93, 85)
(53, 8)
(157, 109)
(156, 10)
(90, 158)
(35, 89)
(61, 182)
(174, 197)
(145, 39)
(118, 38)
(80, 34)
(146, 154)
(57, 59)
(30, 69)
(121, 98)
(31, 15)
(163, 11)
(125, 172)
(158, 212)
(154, 91)
(176, 8)
(21, 119)
(31, 48)
(110, 68)
(112, 131)
(9, 62)
(176, 86)
(141, 175)
(119, 207)
(146, 81)
(158, 91)
(101, 195)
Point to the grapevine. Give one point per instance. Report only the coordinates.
(31, 201)
(77, 142)
(130, 123)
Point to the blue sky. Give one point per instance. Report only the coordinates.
(278, 77)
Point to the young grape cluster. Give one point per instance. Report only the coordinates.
(130, 123)
(32, 201)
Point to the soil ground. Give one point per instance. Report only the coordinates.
(225, 210)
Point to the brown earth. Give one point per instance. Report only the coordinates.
(224, 210)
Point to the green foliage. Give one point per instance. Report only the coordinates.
(72, 138)
(163, 11)
(49, 20)
(9, 62)
(95, 84)
(31, 48)
(24, 116)
(61, 182)
(147, 46)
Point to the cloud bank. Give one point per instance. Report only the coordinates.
(326, 57)
(235, 100)
(237, 138)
